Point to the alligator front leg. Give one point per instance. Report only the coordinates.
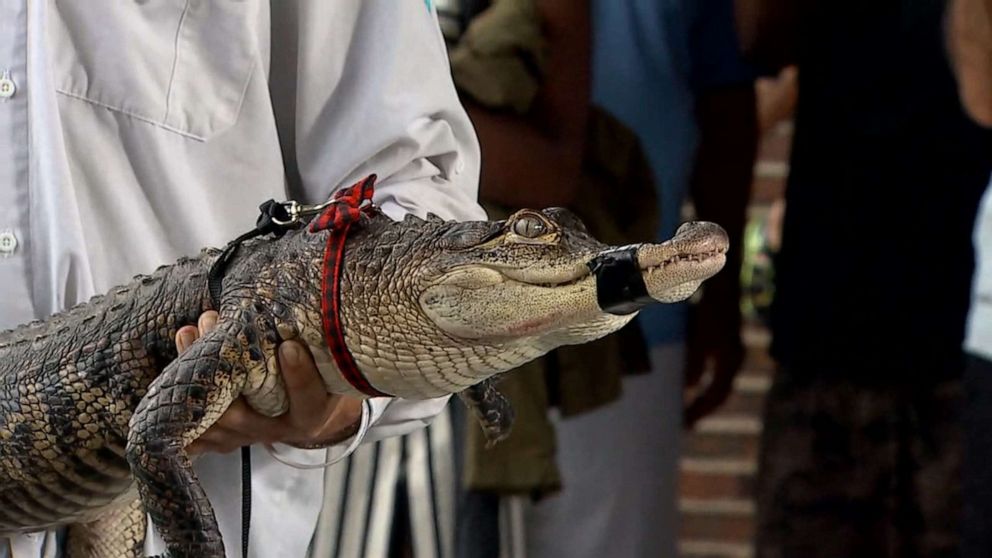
(188, 397)
(492, 409)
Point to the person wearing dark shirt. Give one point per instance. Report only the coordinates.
(861, 451)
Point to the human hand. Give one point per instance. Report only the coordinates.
(714, 345)
(315, 418)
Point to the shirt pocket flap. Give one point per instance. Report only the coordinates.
(180, 65)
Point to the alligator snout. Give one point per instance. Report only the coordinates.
(626, 276)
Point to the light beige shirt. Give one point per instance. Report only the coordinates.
(133, 132)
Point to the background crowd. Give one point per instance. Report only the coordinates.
(875, 428)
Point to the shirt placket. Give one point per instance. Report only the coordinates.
(15, 302)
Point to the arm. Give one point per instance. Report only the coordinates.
(363, 86)
(535, 160)
(721, 187)
(970, 46)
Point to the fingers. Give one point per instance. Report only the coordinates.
(704, 404)
(716, 392)
(238, 426)
(315, 418)
(218, 440)
(187, 335)
(241, 422)
(207, 321)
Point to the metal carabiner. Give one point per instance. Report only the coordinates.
(296, 210)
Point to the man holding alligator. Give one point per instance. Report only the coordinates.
(135, 133)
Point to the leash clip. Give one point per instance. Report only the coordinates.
(296, 210)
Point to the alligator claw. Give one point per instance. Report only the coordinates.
(491, 408)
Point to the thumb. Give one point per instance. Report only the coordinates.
(307, 395)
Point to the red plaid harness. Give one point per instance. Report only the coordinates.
(337, 216)
(346, 208)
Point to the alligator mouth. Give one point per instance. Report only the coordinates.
(694, 258)
(695, 243)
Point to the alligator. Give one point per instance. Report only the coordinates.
(97, 407)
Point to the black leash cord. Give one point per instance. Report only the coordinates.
(245, 498)
(275, 219)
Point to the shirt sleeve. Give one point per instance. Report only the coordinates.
(368, 90)
(362, 87)
(382, 417)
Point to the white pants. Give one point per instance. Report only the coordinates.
(619, 467)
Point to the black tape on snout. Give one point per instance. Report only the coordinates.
(620, 287)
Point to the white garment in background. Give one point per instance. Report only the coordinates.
(132, 133)
(979, 337)
(621, 507)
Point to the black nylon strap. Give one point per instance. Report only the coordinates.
(271, 214)
(620, 288)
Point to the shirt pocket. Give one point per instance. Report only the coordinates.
(182, 65)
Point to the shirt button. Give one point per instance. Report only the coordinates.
(8, 243)
(7, 87)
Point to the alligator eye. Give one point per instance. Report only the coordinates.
(529, 227)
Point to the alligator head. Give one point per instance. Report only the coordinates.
(433, 307)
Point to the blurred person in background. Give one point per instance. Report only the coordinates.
(970, 45)
(667, 79)
(670, 71)
(522, 67)
(862, 447)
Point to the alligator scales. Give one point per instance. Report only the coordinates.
(96, 407)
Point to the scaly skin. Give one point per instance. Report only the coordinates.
(95, 402)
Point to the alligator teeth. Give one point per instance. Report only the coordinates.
(683, 258)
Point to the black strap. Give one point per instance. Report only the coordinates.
(620, 287)
(273, 218)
